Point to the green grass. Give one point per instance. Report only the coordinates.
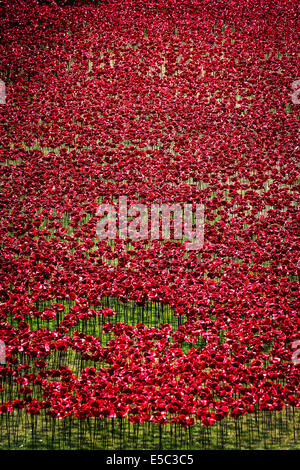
(268, 430)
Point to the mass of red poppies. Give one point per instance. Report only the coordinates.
(161, 102)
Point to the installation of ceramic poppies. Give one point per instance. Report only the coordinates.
(124, 343)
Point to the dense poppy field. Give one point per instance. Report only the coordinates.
(142, 343)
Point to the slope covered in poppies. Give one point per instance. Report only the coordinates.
(160, 102)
